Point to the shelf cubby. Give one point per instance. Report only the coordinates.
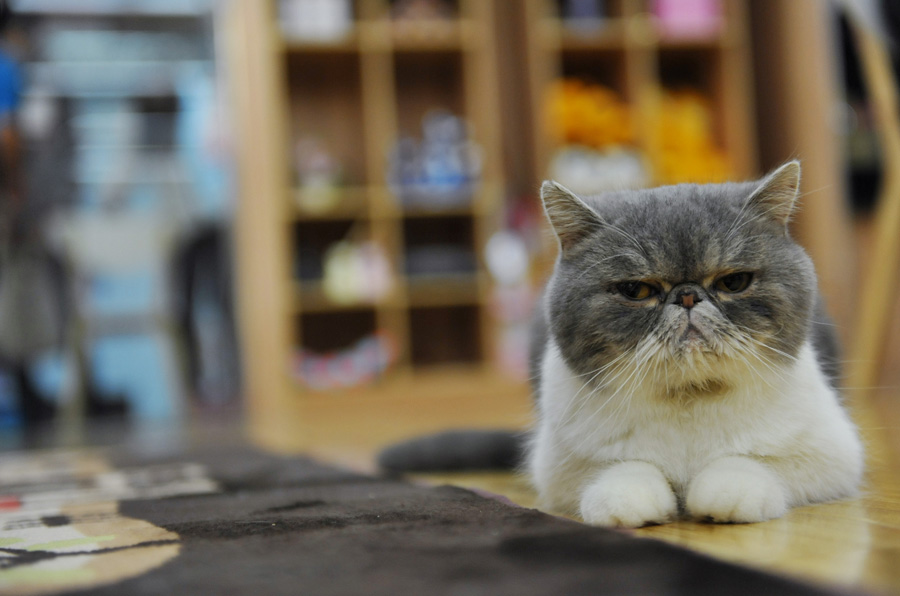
(327, 332)
(427, 81)
(445, 335)
(606, 66)
(326, 106)
(312, 241)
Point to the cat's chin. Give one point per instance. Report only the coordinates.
(705, 389)
(693, 343)
(693, 348)
(692, 335)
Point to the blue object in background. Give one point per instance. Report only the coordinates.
(10, 416)
(140, 368)
(137, 367)
(48, 372)
(201, 147)
(10, 84)
(123, 294)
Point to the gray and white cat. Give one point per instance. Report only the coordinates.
(685, 367)
(682, 361)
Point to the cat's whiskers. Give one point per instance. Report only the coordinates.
(598, 371)
(599, 420)
(699, 370)
(696, 369)
(589, 398)
(690, 366)
(639, 358)
(651, 370)
(656, 364)
(770, 368)
(790, 357)
(668, 361)
(749, 335)
(582, 403)
(746, 347)
(778, 371)
(648, 353)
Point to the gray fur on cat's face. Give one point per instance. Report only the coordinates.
(627, 259)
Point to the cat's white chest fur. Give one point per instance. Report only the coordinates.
(617, 456)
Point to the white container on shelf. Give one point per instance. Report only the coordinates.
(316, 20)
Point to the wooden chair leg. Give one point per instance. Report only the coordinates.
(881, 278)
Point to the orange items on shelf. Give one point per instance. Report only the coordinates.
(684, 148)
(678, 139)
(581, 113)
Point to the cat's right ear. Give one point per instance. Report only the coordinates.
(776, 196)
(572, 220)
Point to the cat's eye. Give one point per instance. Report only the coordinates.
(734, 282)
(636, 290)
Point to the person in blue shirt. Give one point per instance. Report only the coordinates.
(10, 144)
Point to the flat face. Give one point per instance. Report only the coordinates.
(690, 269)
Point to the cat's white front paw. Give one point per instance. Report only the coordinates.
(630, 495)
(736, 489)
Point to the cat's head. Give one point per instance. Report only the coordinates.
(683, 286)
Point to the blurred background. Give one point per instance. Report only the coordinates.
(300, 212)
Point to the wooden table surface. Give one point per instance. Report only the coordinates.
(852, 543)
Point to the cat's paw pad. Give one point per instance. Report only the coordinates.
(629, 495)
(736, 490)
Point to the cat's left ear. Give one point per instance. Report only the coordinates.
(776, 196)
(571, 219)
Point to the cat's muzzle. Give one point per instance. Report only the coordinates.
(691, 329)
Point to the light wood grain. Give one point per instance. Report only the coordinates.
(882, 276)
(257, 90)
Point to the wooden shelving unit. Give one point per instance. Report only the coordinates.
(359, 94)
(630, 55)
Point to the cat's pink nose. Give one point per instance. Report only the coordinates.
(687, 298)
